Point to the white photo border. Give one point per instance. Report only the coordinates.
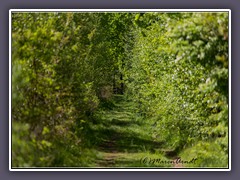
(117, 169)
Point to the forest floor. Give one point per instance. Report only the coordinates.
(123, 140)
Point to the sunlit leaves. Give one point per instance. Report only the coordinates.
(174, 66)
(179, 74)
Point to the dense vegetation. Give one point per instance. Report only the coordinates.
(147, 84)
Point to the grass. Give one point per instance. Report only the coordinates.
(121, 139)
(208, 154)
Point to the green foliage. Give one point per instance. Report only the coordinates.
(208, 154)
(68, 67)
(21, 145)
(179, 75)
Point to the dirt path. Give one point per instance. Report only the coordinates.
(122, 141)
(109, 159)
(177, 164)
(109, 153)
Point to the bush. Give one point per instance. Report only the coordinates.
(208, 154)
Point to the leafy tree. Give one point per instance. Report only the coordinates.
(67, 66)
